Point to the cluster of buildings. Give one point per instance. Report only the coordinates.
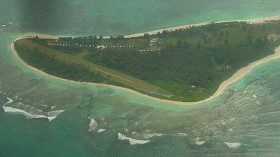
(153, 45)
(90, 46)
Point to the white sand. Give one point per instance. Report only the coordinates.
(236, 76)
(131, 140)
(252, 21)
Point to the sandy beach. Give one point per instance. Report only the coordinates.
(236, 76)
(252, 21)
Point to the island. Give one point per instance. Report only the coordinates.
(185, 64)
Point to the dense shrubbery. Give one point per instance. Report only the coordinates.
(187, 65)
(205, 68)
(55, 67)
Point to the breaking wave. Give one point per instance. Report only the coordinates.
(131, 140)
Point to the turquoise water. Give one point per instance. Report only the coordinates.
(125, 16)
(247, 112)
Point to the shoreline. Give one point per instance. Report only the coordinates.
(251, 21)
(236, 76)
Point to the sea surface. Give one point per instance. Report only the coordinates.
(99, 121)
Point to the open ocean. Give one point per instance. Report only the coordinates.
(243, 121)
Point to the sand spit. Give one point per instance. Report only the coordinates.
(236, 76)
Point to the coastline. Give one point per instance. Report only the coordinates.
(236, 76)
(251, 21)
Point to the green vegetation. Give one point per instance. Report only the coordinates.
(55, 67)
(185, 65)
(67, 65)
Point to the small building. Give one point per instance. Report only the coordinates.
(154, 40)
(101, 47)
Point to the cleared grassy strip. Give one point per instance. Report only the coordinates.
(117, 76)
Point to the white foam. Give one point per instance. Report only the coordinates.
(51, 118)
(131, 140)
(53, 114)
(125, 129)
(254, 96)
(92, 125)
(233, 145)
(199, 143)
(9, 101)
(18, 111)
(182, 134)
(101, 130)
(28, 115)
(148, 136)
(39, 111)
(133, 133)
(53, 107)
